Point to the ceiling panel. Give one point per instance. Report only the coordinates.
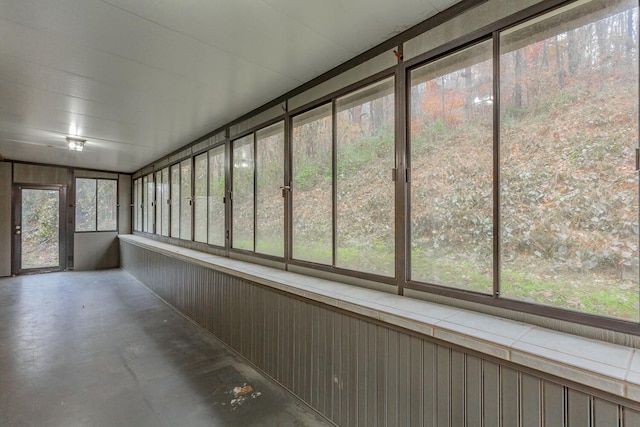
(141, 79)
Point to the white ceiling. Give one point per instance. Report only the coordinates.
(141, 78)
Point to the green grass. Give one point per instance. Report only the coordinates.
(605, 296)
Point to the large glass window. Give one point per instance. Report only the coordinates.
(569, 188)
(159, 204)
(243, 193)
(451, 145)
(136, 202)
(185, 199)
(175, 200)
(162, 202)
(149, 203)
(165, 200)
(96, 204)
(216, 196)
(86, 204)
(365, 191)
(200, 190)
(312, 214)
(107, 205)
(140, 205)
(269, 181)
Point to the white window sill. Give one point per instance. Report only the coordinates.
(607, 367)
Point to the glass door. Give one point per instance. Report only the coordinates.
(38, 229)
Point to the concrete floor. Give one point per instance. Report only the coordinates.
(99, 349)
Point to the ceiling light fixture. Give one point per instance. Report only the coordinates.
(76, 144)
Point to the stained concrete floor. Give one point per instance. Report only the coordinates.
(99, 349)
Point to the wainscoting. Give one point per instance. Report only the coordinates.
(359, 371)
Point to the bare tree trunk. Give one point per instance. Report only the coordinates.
(559, 64)
(468, 97)
(517, 88)
(572, 52)
(630, 39)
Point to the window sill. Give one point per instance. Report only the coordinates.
(603, 366)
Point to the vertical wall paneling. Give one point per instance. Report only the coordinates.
(509, 397)
(381, 368)
(605, 413)
(631, 418)
(352, 390)
(403, 366)
(491, 393)
(443, 386)
(336, 357)
(429, 384)
(473, 391)
(416, 396)
(578, 409)
(530, 401)
(315, 376)
(371, 362)
(391, 379)
(361, 373)
(457, 388)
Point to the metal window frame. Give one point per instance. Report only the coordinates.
(402, 279)
(95, 228)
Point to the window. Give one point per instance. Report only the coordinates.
(86, 204)
(258, 205)
(165, 202)
(365, 152)
(136, 202)
(216, 196)
(107, 204)
(139, 205)
(96, 204)
(269, 198)
(158, 202)
(175, 200)
(162, 202)
(312, 194)
(200, 189)
(526, 191)
(243, 192)
(451, 146)
(185, 199)
(568, 184)
(149, 203)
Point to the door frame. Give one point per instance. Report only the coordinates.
(16, 220)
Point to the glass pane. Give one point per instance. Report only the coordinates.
(365, 191)
(243, 193)
(451, 170)
(569, 189)
(165, 202)
(149, 203)
(216, 196)
(41, 228)
(200, 191)
(107, 205)
(175, 200)
(135, 204)
(311, 186)
(139, 205)
(85, 204)
(159, 200)
(269, 200)
(185, 199)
